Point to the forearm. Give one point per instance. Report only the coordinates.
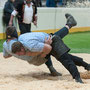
(47, 49)
(44, 51)
(35, 18)
(43, 55)
(14, 13)
(33, 53)
(11, 18)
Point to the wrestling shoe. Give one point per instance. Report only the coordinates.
(54, 72)
(70, 20)
(88, 67)
(79, 80)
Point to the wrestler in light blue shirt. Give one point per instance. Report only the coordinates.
(33, 41)
(35, 60)
(7, 50)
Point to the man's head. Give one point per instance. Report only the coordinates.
(17, 48)
(28, 1)
(11, 32)
(12, 0)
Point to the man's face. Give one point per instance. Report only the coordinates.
(12, 0)
(22, 52)
(28, 1)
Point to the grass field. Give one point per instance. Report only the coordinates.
(1, 45)
(78, 42)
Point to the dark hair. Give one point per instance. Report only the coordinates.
(16, 47)
(11, 32)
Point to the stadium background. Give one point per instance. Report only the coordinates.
(17, 74)
(52, 19)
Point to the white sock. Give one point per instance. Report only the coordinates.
(67, 27)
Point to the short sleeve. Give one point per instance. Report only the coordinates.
(14, 13)
(5, 53)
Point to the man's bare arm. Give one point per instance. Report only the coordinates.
(46, 50)
(11, 20)
(33, 53)
(14, 13)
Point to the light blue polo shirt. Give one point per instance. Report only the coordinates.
(7, 47)
(33, 41)
(35, 60)
(7, 51)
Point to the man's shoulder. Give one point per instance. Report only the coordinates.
(4, 43)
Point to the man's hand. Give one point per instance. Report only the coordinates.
(10, 23)
(35, 23)
(35, 20)
(49, 40)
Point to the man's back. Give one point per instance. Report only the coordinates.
(39, 36)
(33, 41)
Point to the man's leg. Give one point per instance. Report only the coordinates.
(22, 28)
(79, 62)
(28, 27)
(70, 66)
(60, 52)
(51, 68)
(62, 33)
(71, 22)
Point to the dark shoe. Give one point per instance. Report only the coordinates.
(79, 80)
(70, 20)
(54, 72)
(88, 67)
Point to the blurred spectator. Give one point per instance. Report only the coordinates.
(38, 3)
(60, 2)
(8, 8)
(65, 2)
(26, 12)
(73, 0)
(50, 3)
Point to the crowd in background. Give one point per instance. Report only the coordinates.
(9, 7)
(56, 3)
